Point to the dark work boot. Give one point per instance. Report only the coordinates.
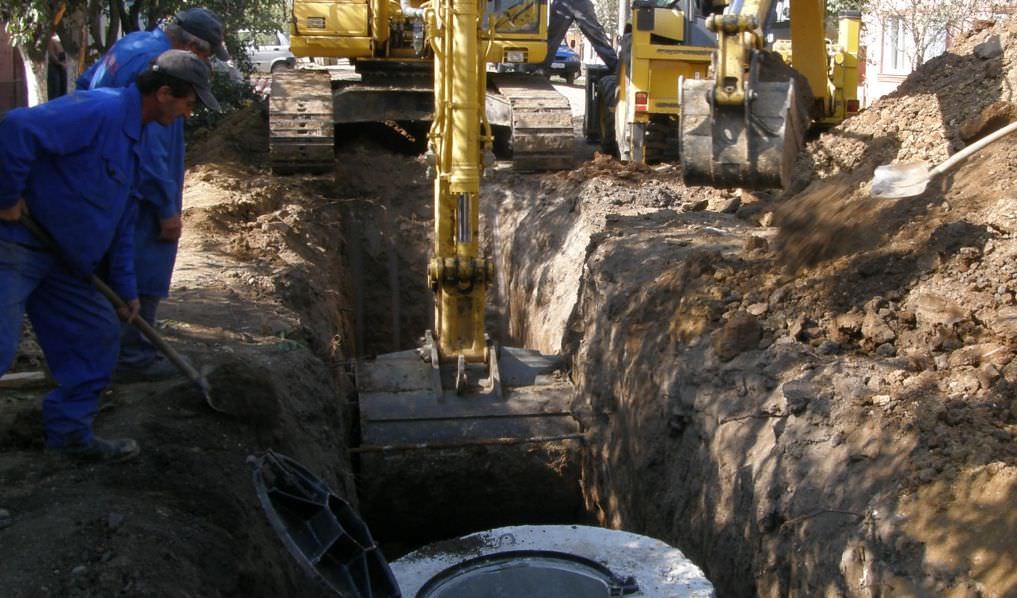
(99, 449)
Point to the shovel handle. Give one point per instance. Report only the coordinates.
(138, 322)
(974, 147)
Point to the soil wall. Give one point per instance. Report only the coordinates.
(811, 396)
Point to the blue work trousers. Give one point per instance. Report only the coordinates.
(77, 329)
(135, 350)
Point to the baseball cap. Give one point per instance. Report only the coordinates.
(203, 23)
(187, 67)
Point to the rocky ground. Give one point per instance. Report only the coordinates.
(809, 394)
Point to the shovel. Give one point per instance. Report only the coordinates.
(909, 180)
(187, 369)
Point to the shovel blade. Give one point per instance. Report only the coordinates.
(206, 388)
(900, 180)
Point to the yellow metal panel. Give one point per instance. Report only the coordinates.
(848, 34)
(809, 44)
(334, 47)
(536, 51)
(331, 18)
(663, 88)
(379, 21)
(351, 19)
(676, 53)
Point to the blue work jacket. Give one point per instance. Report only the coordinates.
(73, 161)
(130, 55)
(160, 184)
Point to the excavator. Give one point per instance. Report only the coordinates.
(774, 75)
(390, 45)
(460, 390)
(668, 98)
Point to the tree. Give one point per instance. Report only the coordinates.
(835, 7)
(79, 23)
(30, 24)
(607, 14)
(237, 15)
(921, 27)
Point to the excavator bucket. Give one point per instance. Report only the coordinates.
(407, 402)
(751, 146)
(501, 452)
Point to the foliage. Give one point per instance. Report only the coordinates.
(834, 7)
(607, 14)
(237, 15)
(232, 92)
(30, 22)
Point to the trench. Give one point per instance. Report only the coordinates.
(735, 462)
(414, 498)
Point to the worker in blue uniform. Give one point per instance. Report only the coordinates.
(196, 29)
(159, 188)
(71, 162)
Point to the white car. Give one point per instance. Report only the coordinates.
(269, 52)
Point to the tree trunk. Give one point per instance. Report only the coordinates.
(35, 75)
(127, 25)
(72, 29)
(134, 16)
(113, 30)
(94, 28)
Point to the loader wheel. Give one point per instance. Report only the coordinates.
(607, 90)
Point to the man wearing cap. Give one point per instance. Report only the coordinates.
(196, 29)
(160, 183)
(71, 162)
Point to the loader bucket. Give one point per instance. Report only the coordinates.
(751, 146)
(500, 450)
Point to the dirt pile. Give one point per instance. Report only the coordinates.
(930, 115)
(239, 139)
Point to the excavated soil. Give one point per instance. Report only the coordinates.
(810, 393)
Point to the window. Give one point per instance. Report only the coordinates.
(895, 44)
(899, 50)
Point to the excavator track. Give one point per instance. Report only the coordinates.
(301, 128)
(661, 140)
(540, 120)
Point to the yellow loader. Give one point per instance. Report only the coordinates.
(774, 75)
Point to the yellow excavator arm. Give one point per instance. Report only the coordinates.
(744, 127)
(458, 273)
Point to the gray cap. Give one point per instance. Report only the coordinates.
(203, 23)
(186, 66)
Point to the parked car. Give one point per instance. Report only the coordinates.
(566, 64)
(268, 52)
